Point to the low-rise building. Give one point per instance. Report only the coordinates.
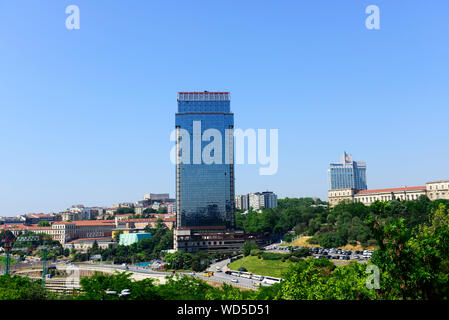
(127, 239)
(438, 189)
(368, 197)
(83, 244)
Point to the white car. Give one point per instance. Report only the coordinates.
(234, 280)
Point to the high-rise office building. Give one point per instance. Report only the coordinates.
(205, 191)
(205, 200)
(347, 174)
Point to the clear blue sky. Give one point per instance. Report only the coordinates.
(85, 115)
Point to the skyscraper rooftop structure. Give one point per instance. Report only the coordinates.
(347, 174)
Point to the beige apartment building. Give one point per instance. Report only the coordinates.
(66, 231)
(433, 190)
(438, 189)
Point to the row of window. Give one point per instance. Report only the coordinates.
(441, 195)
(384, 198)
(200, 243)
(441, 187)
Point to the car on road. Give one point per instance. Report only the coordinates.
(234, 280)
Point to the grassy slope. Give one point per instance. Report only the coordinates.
(274, 268)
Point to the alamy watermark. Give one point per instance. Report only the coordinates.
(372, 22)
(190, 150)
(73, 20)
(373, 279)
(73, 280)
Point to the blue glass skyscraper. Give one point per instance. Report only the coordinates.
(204, 190)
(347, 174)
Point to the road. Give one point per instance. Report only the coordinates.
(219, 269)
(139, 273)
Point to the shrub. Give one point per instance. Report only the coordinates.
(294, 259)
(371, 242)
(272, 256)
(288, 237)
(301, 253)
(331, 240)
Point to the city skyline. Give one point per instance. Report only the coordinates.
(86, 114)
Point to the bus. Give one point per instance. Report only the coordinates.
(271, 280)
(245, 275)
(256, 277)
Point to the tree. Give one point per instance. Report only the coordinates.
(319, 279)
(414, 261)
(184, 288)
(331, 240)
(162, 209)
(94, 288)
(149, 210)
(117, 235)
(124, 210)
(43, 223)
(22, 288)
(248, 246)
(95, 247)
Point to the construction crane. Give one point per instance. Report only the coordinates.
(7, 246)
(44, 249)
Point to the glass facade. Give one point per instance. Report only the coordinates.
(347, 174)
(204, 191)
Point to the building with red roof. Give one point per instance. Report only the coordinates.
(433, 190)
